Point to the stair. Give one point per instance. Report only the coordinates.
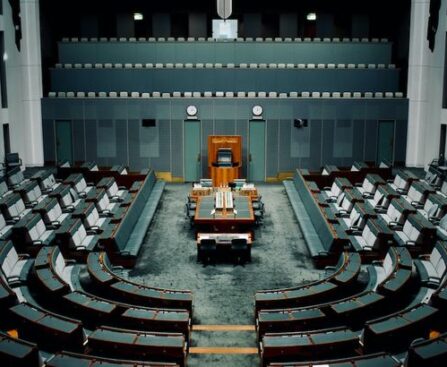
(223, 346)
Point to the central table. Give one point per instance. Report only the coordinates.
(209, 219)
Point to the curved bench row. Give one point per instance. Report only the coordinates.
(382, 293)
(101, 273)
(50, 268)
(344, 275)
(391, 334)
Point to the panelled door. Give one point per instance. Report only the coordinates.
(192, 151)
(256, 155)
(385, 141)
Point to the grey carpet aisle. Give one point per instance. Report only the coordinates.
(224, 293)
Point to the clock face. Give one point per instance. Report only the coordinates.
(257, 110)
(191, 110)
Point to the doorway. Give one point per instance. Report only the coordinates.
(192, 151)
(385, 141)
(256, 155)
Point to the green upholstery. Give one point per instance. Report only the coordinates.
(289, 320)
(396, 331)
(313, 241)
(126, 343)
(96, 271)
(51, 282)
(18, 353)
(89, 306)
(46, 329)
(427, 352)
(131, 231)
(372, 360)
(66, 359)
(309, 346)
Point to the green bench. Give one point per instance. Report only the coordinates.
(95, 311)
(49, 331)
(395, 332)
(372, 360)
(66, 359)
(121, 343)
(343, 274)
(427, 352)
(18, 353)
(126, 242)
(269, 321)
(101, 272)
(333, 343)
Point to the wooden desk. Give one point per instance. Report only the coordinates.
(207, 219)
(224, 238)
(222, 176)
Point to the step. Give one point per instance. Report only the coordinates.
(223, 328)
(223, 350)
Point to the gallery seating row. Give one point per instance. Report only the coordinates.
(210, 39)
(219, 66)
(125, 94)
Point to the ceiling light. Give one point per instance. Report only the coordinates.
(312, 16)
(138, 16)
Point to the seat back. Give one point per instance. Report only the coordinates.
(92, 217)
(8, 258)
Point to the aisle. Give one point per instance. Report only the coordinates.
(223, 346)
(224, 293)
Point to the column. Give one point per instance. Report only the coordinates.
(32, 82)
(418, 71)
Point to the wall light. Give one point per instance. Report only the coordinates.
(311, 17)
(138, 16)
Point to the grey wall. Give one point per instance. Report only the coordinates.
(109, 131)
(197, 25)
(252, 25)
(325, 25)
(288, 25)
(225, 79)
(89, 26)
(360, 25)
(225, 52)
(161, 25)
(125, 25)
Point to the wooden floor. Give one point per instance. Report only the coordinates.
(223, 350)
(223, 328)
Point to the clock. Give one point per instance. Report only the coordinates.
(257, 110)
(191, 110)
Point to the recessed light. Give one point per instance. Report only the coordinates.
(138, 16)
(312, 16)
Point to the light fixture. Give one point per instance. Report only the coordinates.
(311, 16)
(138, 16)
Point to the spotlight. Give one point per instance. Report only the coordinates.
(311, 17)
(138, 16)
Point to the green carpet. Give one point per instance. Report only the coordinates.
(224, 293)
